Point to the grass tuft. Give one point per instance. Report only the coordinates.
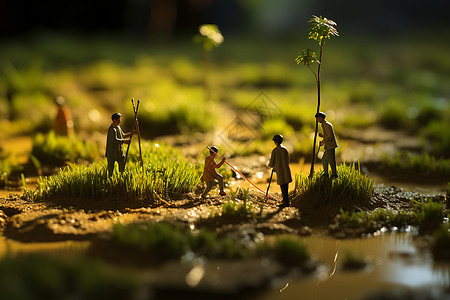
(287, 250)
(371, 221)
(165, 174)
(441, 244)
(351, 187)
(52, 150)
(422, 164)
(429, 215)
(161, 241)
(352, 261)
(238, 206)
(290, 251)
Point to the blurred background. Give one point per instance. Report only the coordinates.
(385, 79)
(170, 18)
(67, 66)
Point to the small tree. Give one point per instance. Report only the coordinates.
(210, 37)
(320, 29)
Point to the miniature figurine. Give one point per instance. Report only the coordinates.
(63, 124)
(329, 144)
(209, 172)
(114, 144)
(279, 161)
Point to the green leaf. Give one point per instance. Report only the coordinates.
(210, 36)
(321, 28)
(306, 57)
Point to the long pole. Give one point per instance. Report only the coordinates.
(268, 187)
(138, 131)
(311, 172)
(259, 189)
(131, 134)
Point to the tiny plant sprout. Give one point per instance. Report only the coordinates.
(320, 29)
(210, 37)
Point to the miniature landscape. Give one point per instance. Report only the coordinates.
(70, 229)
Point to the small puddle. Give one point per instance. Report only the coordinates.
(395, 263)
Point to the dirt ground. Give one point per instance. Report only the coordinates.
(82, 220)
(88, 221)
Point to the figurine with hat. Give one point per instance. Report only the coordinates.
(279, 161)
(114, 144)
(329, 144)
(210, 174)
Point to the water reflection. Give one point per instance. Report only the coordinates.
(395, 263)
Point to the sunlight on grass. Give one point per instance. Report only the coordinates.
(165, 174)
(351, 187)
(52, 150)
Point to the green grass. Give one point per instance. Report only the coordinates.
(353, 261)
(165, 174)
(5, 170)
(426, 215)
(370, 221)
(391, 218)
(162, 241)
(45, 278)
(429, 215)
(103, 73)
(351, 187)
(53, 150)
(238, 206)
(437, 133)
(286, 250)
(181, 109)
(289, 251)
(440, 246)
(420, 165)
(158, 242)
(9, 168)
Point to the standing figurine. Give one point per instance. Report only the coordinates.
(329, 143)
(114, 144)
(63, 124)
(279, 161)
(209, 172)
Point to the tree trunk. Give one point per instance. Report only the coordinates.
(311, 172)
(207, 74)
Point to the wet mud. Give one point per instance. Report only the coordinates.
(88, 221)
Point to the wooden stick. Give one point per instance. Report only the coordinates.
(258, 188)
(134, 126)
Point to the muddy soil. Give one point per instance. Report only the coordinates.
(83, 220)
(31, 222)
(43, 222)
